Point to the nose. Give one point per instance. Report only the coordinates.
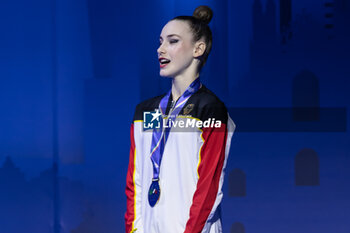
(160, 49)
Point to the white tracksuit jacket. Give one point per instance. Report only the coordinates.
(191, 172)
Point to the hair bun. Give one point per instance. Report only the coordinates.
(203, 13)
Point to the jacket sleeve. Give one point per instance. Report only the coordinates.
(133, 222)
(208, 193)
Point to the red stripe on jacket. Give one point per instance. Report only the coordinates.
(209, 170)
(130, 186)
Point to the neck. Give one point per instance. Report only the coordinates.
(183, 79)
(180, 84)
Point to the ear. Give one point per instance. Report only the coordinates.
(199, 49)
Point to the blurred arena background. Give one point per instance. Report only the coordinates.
(72, 72)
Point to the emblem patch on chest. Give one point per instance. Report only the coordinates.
(188, 109)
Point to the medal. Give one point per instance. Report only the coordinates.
(154, 192)
(160, 136)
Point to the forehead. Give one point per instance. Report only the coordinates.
(177, 27)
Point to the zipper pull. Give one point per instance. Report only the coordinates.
(173, 102)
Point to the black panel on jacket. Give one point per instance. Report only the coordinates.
(203, 105)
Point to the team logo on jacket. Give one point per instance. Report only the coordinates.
(188, 109)
(152, 120)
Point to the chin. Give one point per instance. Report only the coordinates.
(165, 74)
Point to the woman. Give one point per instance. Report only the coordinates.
(175, 172)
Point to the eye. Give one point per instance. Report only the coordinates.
(173, 41)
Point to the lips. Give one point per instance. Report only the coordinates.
(163, 62)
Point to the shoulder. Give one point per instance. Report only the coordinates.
(147, 105)
(208, 98)
(208, 105)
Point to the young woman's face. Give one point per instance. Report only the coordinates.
(175, 52)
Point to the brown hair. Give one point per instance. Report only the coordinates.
(198, 23)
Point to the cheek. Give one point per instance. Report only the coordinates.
(182, 52)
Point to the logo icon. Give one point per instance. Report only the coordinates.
(188, 109)
(152, 120)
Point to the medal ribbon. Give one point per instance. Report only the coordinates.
(160, 136)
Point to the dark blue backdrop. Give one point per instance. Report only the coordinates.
(71, 73)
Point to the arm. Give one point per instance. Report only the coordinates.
(213, 155)
(132, 191)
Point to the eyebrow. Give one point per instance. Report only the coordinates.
(171, 35)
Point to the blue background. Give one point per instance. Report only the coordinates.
(72, 72)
